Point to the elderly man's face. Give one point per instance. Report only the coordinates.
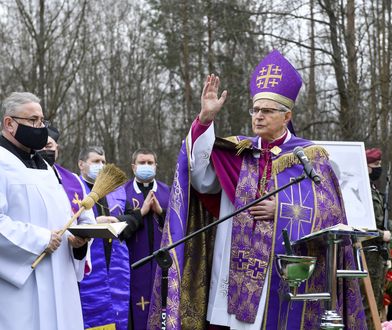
(269, 124)
(29, 114)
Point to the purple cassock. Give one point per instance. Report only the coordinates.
(72, 186)
(104, 293)
(139, 247)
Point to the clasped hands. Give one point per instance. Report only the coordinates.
(151, 203)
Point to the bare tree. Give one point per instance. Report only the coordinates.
(47, 24)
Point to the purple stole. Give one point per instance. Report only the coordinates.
(105, 293)
(138, 246)
(174, 229)
(71, 185)
(301, 209)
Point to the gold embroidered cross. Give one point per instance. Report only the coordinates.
(256, 268)
(298, 215)
(271, 78)
(263, 71)
(142, 303)
(241, 260)
(76, 199)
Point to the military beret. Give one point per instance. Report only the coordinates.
(373, 155)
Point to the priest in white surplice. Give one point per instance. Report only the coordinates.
(33, 208)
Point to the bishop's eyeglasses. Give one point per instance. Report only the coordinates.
(264, 111)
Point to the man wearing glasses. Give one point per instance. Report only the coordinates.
(241, 288)
(33, 208)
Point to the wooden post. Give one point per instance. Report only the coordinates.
(370, 296)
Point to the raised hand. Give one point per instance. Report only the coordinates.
(210, 103)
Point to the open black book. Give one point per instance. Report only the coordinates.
(99, 230)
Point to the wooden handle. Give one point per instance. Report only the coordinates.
(62, 231)
(370, 296)
(38, 260)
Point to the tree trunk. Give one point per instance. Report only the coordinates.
(345, 116)
(311, 103)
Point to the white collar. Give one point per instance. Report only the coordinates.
(288, 137)
(137, 189)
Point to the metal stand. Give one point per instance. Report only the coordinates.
(333, 237)
(331, 319)
(164, 260)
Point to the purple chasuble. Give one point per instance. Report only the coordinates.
(301, 209)
(71, 184)
(105, 293)
(138, 246)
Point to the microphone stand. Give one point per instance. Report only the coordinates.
(165, 261)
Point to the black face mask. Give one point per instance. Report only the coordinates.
(376, 173)
(32, 137)
(48, 155)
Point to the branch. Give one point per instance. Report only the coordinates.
(300, 44)
(27, 19)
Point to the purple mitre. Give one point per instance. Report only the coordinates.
(276, 79)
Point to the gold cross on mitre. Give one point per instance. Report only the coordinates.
(142, 302)
(269, 77)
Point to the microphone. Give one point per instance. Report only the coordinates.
(309, 171)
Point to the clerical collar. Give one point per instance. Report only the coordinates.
(139, 187)
(89, 184)
(14, 149)
(145, 185)
(30, 159)
(280, 140)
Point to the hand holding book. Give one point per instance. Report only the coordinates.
(99, 230)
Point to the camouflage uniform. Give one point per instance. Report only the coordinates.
(377, 265)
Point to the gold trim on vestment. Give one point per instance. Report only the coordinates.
(194, 289)
(233, 139)
(274, 97)
(111, 326)
(242, 145)
(289, 159)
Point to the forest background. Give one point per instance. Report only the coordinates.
(128, 74)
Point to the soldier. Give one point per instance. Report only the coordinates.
(376, 259)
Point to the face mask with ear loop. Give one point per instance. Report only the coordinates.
(32, 137)
(93, 171)
(376, 173)
(145, 172)
(48, 155)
